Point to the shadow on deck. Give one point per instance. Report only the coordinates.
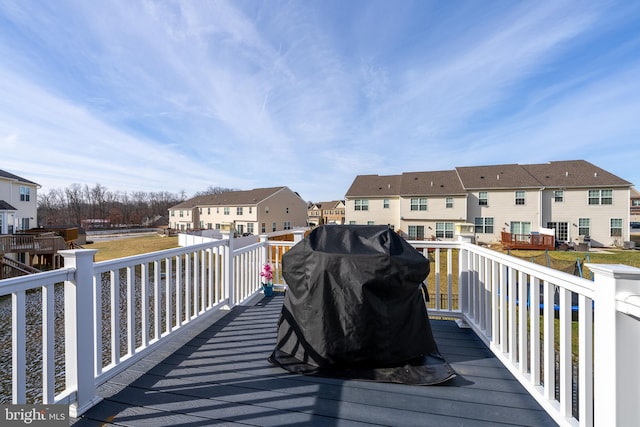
(219, 375)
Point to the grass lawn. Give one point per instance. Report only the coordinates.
(128, 246)
(599, 256)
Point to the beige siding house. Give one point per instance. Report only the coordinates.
(417, 205)
(257, 211)
(374, 199)
(18, 203)
(635, 205)
(326, 213)
(578, 200)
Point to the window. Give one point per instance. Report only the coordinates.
(208, 211)
(520, 228)
(352, 223)
(217, 226)
(239, 210)
(635, 203)
(173, 213)
(519, 197)
(444, 230)
(484, 225)
(483, 198)
(583, 226)
(287, 225)
(217, 210)
(385, 204)
(264, 228)
(200, 211)
(361, 204)
(616, 227)
(250, 226)
(24, 222)
(600, 197)
(558, 196)
(209, 226)
(226, 211)
(25, 194)
(201, 224)
(274, 226)
(370, 223)
(418, 203)
(561, 230)
(416, 232)
(181, 214)
(448, 202)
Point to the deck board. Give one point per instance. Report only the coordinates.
(219, 375)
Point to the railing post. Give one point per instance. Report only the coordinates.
(616, 374)
(79, 330)
(230, 276)
(298, 236)
(264, 249)
(463, 285)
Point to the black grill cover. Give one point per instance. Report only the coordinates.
(355, 307)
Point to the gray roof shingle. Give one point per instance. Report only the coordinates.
(375, 186)
(230, 198)
(431, 183)
(561, 174)
(9, 175)
(573, 173)
(496, 177)
(4, 206)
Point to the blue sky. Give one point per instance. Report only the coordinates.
(183, 95)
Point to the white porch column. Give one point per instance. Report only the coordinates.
(80, 330)
(616, 376)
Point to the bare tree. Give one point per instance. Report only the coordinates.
(214, 190)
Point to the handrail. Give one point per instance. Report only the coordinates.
(120, 310)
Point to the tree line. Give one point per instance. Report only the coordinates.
(73, 205)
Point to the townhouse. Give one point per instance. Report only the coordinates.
(635, 206)
(577, 199)
(326, 213)
(18, 203)
(257, 211)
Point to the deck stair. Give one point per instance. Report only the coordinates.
(12, 268)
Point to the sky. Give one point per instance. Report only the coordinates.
(181, 96)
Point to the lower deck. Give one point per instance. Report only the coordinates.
(219, 375)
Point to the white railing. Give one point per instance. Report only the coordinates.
(581, 371)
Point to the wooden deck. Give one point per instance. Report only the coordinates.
(528, 241)
(219, 375)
